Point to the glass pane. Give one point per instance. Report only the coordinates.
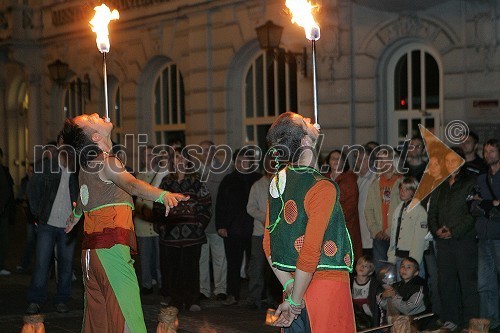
(401, 84)
(414, 127)
(174, 92)
(429, 124)
(157, 103)
(415, 70)
(281, 83)
(403, 128)
(164, 96)
(158, 138)
(431, 82)
(249, 93)
(261, 136)
(292, 85)
(117, 109)
(259, 86)
(183, 101)
(250, 135)
(270, 93)
(117, 138)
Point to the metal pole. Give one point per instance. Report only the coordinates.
(105, 85)
(315, 82)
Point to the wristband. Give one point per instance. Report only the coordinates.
(287, 283)
(292, 303)
(75, 214)
(160, 197)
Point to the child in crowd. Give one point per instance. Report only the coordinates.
(408, 296)
(408, 228)
(365, 288)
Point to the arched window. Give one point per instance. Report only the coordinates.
(415, 93)
(169, 116)
(269, 89)
(74, 99)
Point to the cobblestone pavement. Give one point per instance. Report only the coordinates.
(213, 318)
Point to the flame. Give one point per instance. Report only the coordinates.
(99, 25)
(301, 11)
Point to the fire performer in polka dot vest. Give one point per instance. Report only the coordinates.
(306, 240)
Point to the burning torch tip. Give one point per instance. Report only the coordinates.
(314, 33)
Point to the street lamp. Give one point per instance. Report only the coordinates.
(59, 70)
(269, 36)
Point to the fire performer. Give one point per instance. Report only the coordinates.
(306, 239)
(112, 302)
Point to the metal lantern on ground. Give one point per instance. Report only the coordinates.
(33, 324)
(167, 320)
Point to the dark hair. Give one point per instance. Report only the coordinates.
(207, 142)
(343, 157)
(474, 136)
(372, 143)
(243, 152)
(493, 143)
(367, 258)
(459, 151)
(86, 150)
(413, 261)
(285, 136)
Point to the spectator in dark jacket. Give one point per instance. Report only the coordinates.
(232, 221)
(474, 164)
(453, 229)
(6, 198)
(488, 232)
(51, 192)
(408, 296)
(182, 233)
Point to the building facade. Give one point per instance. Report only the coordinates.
(185, 71)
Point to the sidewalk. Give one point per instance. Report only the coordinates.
(213, 318)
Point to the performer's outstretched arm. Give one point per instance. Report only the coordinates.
(114, 171)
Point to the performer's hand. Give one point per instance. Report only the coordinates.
(285, 315)
(71, 221)
(443, 232)
(388, 292)
(171, 200)
(222, 232)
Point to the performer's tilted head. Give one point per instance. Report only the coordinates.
(86, 133)
(290, 135)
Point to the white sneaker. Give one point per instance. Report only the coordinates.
(449, 326)
(4, 272)
(195, 308)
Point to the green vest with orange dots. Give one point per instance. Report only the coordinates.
(288, 221)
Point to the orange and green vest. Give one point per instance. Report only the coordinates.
(288, 221)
